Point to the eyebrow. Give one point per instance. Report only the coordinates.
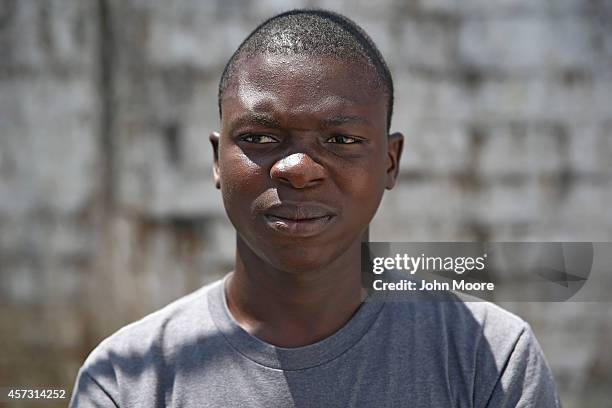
(342, 119)
(268, 121)
(257, 118)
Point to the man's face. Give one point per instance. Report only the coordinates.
(303, 157)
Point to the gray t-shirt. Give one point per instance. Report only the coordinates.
(192, 353)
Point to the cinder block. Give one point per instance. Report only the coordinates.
(435, 147)
(383, 35)
(20, 285)
(590, 150)
(527, 44)
(220, 246)
(425, 200)
(188, 132)
(190, 34)
(424, 218)
(441, 6)
(482, 8)
(406, 231)
(523, 150)
(267, 8)
(419, 98)
(49, 35)
(426, 44)
(51, 121)
(587, 204)
(152, 185)
(361, 11)
(498, 203)
(542, 99)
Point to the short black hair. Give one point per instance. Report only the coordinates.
(312, 32)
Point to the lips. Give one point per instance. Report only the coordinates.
(299, 219)
(300, 212)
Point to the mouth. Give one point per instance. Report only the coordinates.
(301, 220)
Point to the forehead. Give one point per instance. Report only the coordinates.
(297, 85)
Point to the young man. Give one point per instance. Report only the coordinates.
(302, 160)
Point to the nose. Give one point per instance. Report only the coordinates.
(298, 170)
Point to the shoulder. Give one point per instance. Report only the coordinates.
(154, 338)
(492, 319)
(146, 354)
(464, 320)
(474, 329)
(457, 313)
(492, 348)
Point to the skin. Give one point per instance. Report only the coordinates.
(295, 130)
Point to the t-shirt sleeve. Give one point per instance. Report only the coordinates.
(89, 393)
(95, 384)
(526, 379)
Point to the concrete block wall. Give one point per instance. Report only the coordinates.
(107, 207)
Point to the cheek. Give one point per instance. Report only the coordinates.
(365, 186)
(240, 177)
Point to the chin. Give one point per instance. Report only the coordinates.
(302, 259)
(296, 256)
(299, 261)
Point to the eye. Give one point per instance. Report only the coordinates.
(342, 139)
(258, 139)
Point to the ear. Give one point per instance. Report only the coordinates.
(214, 141)
(395, 144)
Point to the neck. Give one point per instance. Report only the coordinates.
(290, 309)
